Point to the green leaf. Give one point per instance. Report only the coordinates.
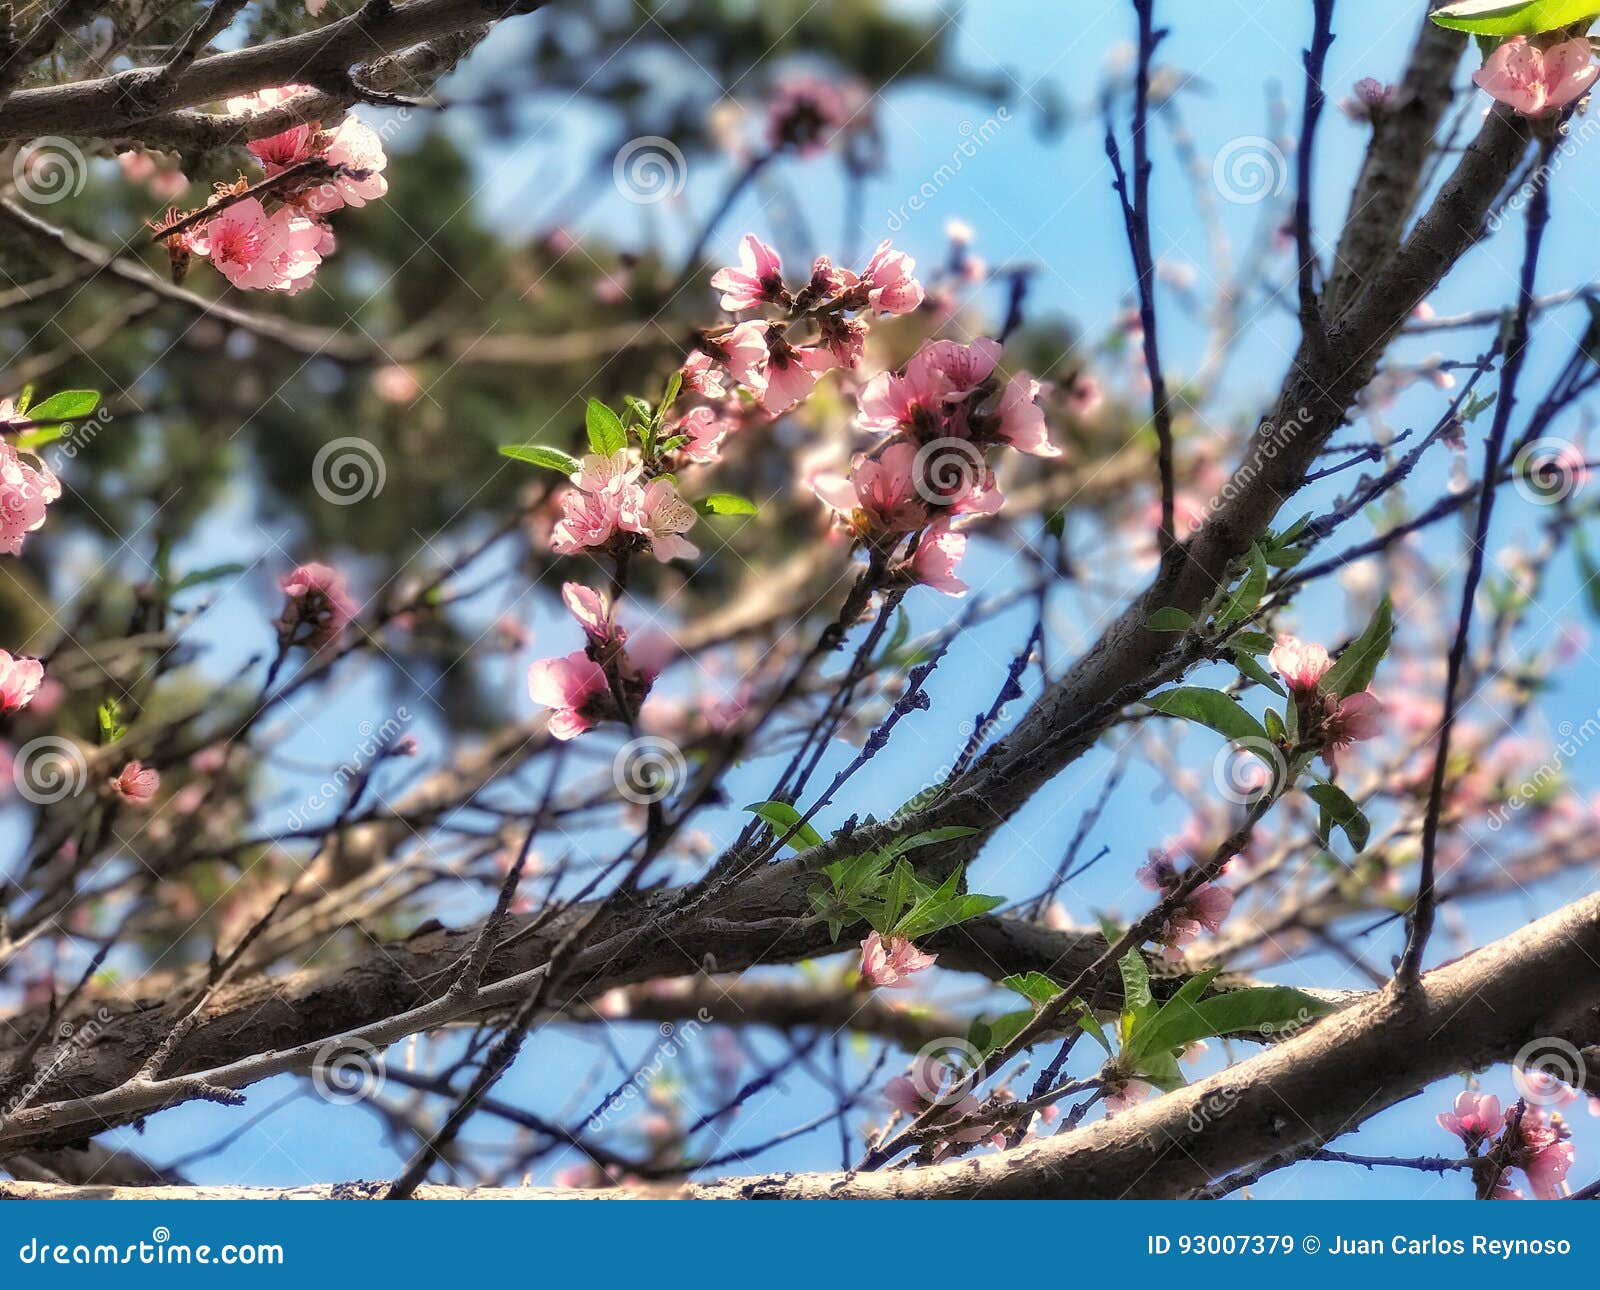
(1090, 1025)
(670, 395)
(545, 458)
(936, 914)
(948, 833)
(1160, 1069)
(1169, 618)
(725, 504)
(606, 435)
(1513, 17)
(1250, 667)
(1248, 595)
(783, 817)
(1210, 708)
(1275, 727)
(32, 440)
(1356, 666)
(1135, 982)
(1255, 642)
(109, 717)
(1338, 807)
(202, 576)
(1036, 987)
(1267, 1010)
(1588, 571)
(998, 1033)
(68, 405)
(1177, 1024)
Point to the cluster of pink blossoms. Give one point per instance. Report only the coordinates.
(598, 682)
(281, 249)
(1203, 909)
(27, 487)
(1540, 1145)
(805, 112)
(611, 509)
(938, 419)
(1326, 720)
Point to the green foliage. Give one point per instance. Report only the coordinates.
(883, 890)
(606, 434)
(783, 817)
(1169, 618)
(1336, 809)
(725, 504)
(1514, 17)
(1355, 668)
(1210, 708)
(544, 457)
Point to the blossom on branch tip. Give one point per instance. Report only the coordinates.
(575, 689)
(757, 279)
(658, 513)
(1301, 665)
(318, 607)
(888, 282)
(258, 251)
(19, 681)
(1472, 1118)
(890, 962)
(27, 488)
(1537, 81)
(136, 783)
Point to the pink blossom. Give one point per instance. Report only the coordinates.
(880, 497)
(1203, 909)
(791, 371)
(938, 552)
(890, 963)
(1301, 665)
(136, 783)
(592, 609)
(1473, 1119)
(1022, 419)
(700, 375)
(705, 431)
(662, 516)
(319, 606)
(743, 352)
(1084, 397)
(396, 383)
(26, 489)
(19, 681)
(289, 147)
(592, 510)
(1125, 1097)
(941, 372)
(1535, 81)
(265, 100)
(257, 251)
(1544, 1152)
(844, 339)
(576, 690)
(804, 113)
(355, 146)
(888, 280)
(1350, 720)
(757, 279)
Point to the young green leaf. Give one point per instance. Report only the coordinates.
(1135, 982)
(606, 435)
(545, 458)
(1177, 1023)
(1513, 17)
(1266, 1010)
(1090, 1025)
(1340, 810)
(1169, 618)
(1036, 987)
(999, 1032)
(1250, 667)
(1355, 668)
(725, 504)
(68, 405)
(1248, 595)
(1210, 708)
(783, 817)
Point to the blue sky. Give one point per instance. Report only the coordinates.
(1044, 201)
